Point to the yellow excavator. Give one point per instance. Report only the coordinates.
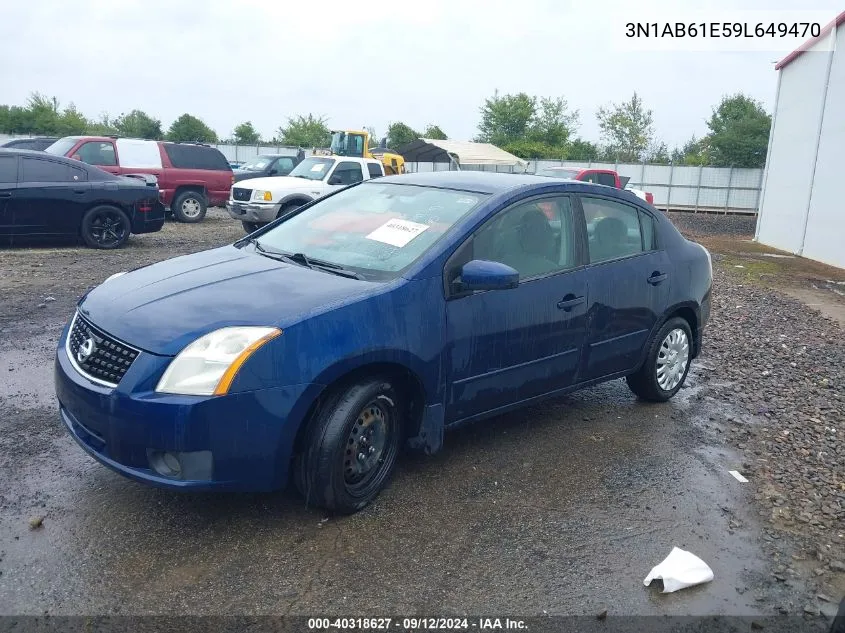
(357, 143)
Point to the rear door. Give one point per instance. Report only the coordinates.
(629, 284)
(8, 185)
(50, 198)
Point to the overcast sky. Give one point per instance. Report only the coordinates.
(368, 63)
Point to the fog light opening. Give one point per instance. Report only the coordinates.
(166, 464)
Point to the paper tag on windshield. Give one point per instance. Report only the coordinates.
(397, 232)
(318, 167)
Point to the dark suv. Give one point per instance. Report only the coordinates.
(191, 176)
(38, 143)
(267, 165)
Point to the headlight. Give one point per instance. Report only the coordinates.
(267, 196)
(207, 366)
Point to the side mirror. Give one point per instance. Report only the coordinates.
(273, 172)
(77, 157)
(481, 274)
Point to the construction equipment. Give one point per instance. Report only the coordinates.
(356, 143)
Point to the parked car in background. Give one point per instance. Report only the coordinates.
(262, 200)
(191, 176)
(235, 164)
(606, 177)
(49, 196)
(266, 165)
(38, 143)
(385, 312)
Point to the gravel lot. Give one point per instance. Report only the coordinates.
(766, 396)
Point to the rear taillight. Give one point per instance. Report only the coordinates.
(649, 197)
(233, 179)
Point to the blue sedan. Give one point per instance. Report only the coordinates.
(317, 347)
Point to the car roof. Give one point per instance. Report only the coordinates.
(44, 155)
(477, 181)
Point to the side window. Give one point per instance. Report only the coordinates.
(8, 169)
(647, 229)
(37, 170)
(283, 165)
(606, 179)
(590, 177)
(375, 170)
(97, 153)
(613, 229)
(535, 237)
(348, 173)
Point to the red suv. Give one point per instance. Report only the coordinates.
(191, 177)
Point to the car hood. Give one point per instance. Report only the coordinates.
(283, 183)
(163, 307)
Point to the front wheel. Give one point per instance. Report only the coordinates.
(189, 206)
(350, 447)
(667, 364)
(105, 227)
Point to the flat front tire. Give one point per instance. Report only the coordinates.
(667, 363)
(350, 447)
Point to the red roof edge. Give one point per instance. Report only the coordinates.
(835, 22)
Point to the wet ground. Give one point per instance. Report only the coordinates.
(558, 509)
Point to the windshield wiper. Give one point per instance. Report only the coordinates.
(256, 244)
(329, 267)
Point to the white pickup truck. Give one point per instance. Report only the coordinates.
(257, 201)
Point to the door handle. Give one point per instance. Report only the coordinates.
(569, 301)
(657, 277)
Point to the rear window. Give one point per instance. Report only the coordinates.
(196, 157)
(8, 169)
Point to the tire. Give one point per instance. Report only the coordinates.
(287, 208)
(105, 227)
(251, 227)
(666, 351)
(189, 206)
(360, 420)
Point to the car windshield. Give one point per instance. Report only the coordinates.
(259, 163)
(62, 146)
(553, 172)
(313, 168)
(374, 229)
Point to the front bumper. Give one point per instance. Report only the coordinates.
(244, 441)
(252, 211)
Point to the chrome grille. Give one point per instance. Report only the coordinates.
(96, 355)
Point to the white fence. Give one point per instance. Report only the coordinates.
(675, 187)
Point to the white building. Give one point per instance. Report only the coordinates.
(802, 205)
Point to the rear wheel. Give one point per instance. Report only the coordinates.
(189, 206)
(350, 447)
(105, 227)
(667, 364)
(251, 227)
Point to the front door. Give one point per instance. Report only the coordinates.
(102, 154)
(629, 284)
(508, 346)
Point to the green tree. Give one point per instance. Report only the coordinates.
(434, 131)
(658, 154)
(305, 131)
(101, 127)
(71, 121)
(138, 124)
(505, 119)
(694, 152)
(246, 134)
(190, 128)
(399, 134)
(43, 114)
(373, 140)
(580, 149)
(553, 123)
(739, 132)
(627, 128)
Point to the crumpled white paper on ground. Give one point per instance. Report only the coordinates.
(679, 570)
